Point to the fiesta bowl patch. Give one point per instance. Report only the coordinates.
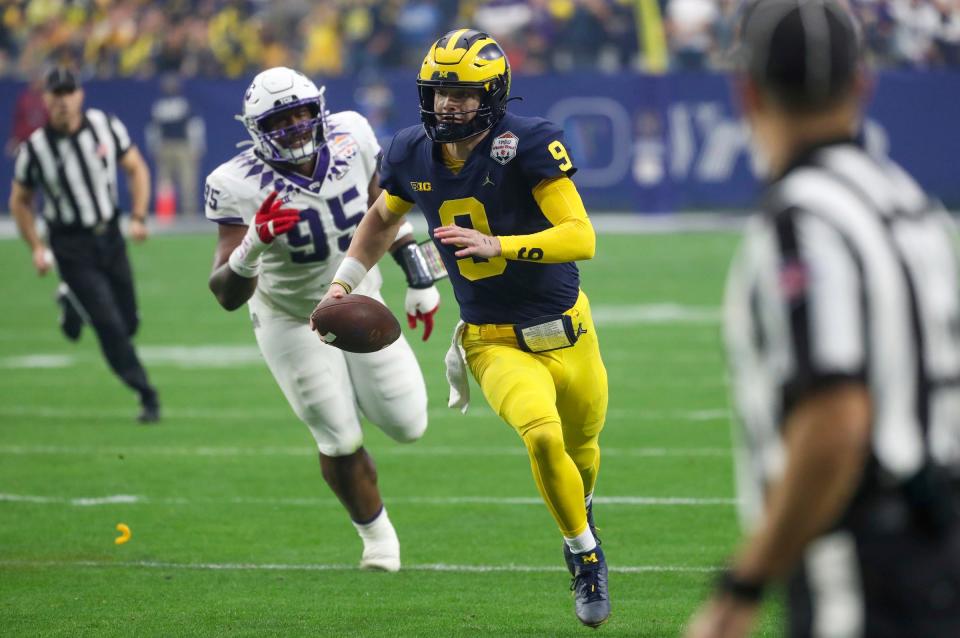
(504, 147)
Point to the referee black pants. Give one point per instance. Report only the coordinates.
(95, 266)
(901, 584)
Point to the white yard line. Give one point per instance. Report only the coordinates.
(130, 499)
(660, 313)
(308, 451)
(313, 567)
(236, 414)
(240, 355)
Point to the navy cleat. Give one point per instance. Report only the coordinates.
(591, 601)
(568, 555)
(71, 312)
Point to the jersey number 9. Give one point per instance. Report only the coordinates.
(559, 152)
(472, 268)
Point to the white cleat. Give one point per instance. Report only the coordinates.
(383, 556)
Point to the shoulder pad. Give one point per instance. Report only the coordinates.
(537, 130)
(403, 143)
(344, 120)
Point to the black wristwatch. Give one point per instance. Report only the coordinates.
(742, 589)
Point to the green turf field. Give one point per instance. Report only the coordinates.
(234, 531)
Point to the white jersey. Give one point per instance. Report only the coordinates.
(298, 266)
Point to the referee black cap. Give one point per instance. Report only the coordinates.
(804, 52)
(61, 80)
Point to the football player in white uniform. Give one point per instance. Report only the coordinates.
(286, 210)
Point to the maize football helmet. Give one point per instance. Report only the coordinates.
(272, 92)
(464, 59)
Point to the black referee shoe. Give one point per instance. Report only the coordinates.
(149, 410)
(149, 414)
(71, 321)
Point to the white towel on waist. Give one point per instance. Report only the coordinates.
(457, 377)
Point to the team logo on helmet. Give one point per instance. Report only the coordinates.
(464, 59)
(504, 147)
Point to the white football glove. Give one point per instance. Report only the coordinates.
(422, 304)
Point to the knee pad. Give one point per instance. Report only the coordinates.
(543, 439)
(329, 447)
(407, 430)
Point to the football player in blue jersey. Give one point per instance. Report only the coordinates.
(509, 224)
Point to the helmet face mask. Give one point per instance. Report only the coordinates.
(463, 59)
(272, 96)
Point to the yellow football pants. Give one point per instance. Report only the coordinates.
(557, 403)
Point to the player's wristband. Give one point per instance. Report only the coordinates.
(741, 589)
(350, 273)
(245, 258)
(414, 265)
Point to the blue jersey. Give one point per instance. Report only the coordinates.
(492, 193)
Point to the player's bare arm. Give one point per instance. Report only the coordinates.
(422, 299)
(374, 236)
(237, 261)
(21, 208)
(230, 289)
(138, 178)
(373, 194)
(827, 441)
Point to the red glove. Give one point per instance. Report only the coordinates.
(273, 220)
(421, 304)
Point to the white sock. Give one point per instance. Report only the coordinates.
(581, 543)
(379, 530)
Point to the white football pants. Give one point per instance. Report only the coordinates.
(325, 385)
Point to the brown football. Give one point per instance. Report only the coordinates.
(356, 323)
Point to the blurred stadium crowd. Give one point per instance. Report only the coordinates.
(234, 38)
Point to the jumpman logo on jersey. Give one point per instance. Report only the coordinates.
(487, 180)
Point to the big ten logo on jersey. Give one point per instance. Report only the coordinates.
(421, 187)
(309, 241)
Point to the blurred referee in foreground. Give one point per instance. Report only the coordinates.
(73, 162)
(843, 333)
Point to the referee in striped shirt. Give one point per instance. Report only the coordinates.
(842, 324)
(73, 162)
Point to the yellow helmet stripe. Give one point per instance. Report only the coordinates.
(452, 42)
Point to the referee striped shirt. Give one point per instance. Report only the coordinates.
(77, 173)
(849, 273)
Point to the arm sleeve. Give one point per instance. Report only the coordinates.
(24, 168)
(817, 291)
(570, 239)
(397, 205)
(120, 135)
